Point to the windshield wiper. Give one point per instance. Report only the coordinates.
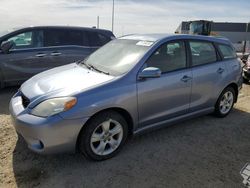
(92, 67)
(96, 69)
(85, 64)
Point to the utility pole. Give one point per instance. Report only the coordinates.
(245, 42)
(113, 14)
(98, 20)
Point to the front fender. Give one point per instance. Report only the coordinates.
(99, 99)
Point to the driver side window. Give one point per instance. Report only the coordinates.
(22, 40)
(28, 39)
(169, 57)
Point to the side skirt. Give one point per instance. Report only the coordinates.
(172, 121)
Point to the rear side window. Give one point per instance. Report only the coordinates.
(202, 52)
(227, 51)
(97, 39)
(62, 37)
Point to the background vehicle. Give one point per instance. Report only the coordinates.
(237, 33)
(130, 85)
(246, 70)
(28, 51)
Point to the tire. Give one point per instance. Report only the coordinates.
(103, 136)
(225, 102)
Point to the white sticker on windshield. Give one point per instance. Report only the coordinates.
(144, 43)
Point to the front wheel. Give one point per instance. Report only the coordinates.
(103, 136)
(225, 102)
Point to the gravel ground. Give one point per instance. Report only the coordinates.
(203, 152)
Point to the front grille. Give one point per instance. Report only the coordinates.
(25, 100)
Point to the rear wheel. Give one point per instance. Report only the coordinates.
(103, 136)
(225, 102)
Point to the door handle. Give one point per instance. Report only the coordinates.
(55, 53)
(186, 78)
(40, 55)
(220, 70)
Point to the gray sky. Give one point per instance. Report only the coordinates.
(131, 16)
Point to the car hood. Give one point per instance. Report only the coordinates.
(62, 81)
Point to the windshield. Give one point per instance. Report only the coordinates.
(200, 28)
(196, 28)
(118, 56)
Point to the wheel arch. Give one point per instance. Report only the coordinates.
(235, 87)
(127, 116)
(232, 85)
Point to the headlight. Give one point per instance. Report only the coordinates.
(54, 106)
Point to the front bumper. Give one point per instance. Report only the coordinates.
(45, 135)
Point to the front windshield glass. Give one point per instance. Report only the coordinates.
(118, 56)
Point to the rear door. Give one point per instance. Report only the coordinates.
(167, 96)
(65, 46)
(209, 74)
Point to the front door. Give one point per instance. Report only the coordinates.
(25, 59)
(169, 95)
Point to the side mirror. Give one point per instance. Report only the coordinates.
(6, 46)
(150, 72)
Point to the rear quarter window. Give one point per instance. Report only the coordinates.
(227, 51)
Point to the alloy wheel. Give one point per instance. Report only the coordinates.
(226, 102)
(107, 137)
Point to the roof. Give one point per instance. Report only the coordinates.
(158, 37)
(149, 37)
(69, 27)
(23, 29)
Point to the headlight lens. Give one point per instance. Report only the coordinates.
(54, 106)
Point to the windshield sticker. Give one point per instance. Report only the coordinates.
(145, 43)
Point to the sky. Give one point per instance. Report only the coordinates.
(131, 16)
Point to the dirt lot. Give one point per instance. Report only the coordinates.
(203, 152)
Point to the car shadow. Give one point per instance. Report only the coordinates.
(5, 96)
(205, 151)
(247, 83)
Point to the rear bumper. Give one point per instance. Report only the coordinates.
(45, 135)
(246, 73)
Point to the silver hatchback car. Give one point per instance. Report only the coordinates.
(133, 84)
